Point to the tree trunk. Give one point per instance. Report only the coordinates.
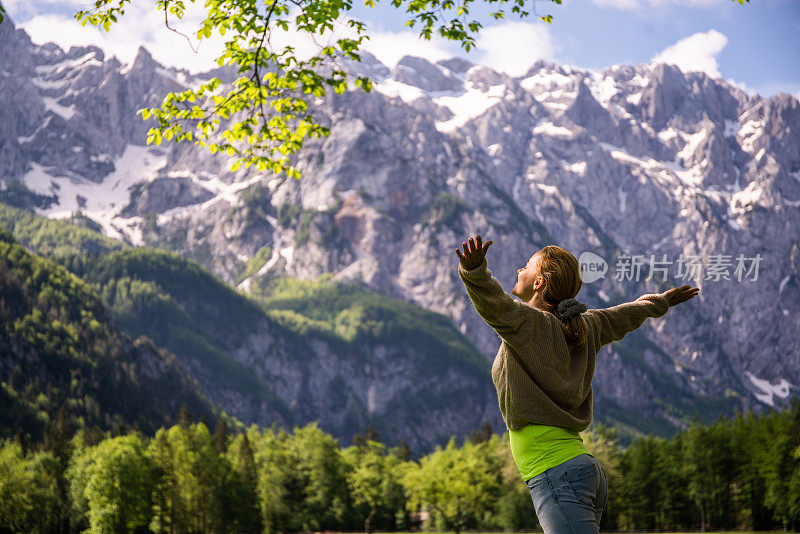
(369, 519)
(122, 521)
(702, 517)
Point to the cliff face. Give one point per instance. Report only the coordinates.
(632, 160)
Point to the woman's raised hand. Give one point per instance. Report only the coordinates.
(676, 295)
(473, 253)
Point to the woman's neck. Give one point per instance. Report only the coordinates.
(537, 302)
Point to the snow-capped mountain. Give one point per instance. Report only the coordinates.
(630, 161)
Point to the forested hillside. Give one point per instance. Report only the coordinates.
(61, 356)
(292, 353)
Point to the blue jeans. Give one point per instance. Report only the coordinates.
(570, 497)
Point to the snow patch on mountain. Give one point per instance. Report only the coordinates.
(66, 112)
(548, 128)
(749, 133)
(100, 201)
(393, 88)
(468, 105)
(765, 391)
(743, 201)
(603, 88)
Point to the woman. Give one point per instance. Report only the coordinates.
(543, 374)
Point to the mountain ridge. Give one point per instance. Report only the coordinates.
(628, 160)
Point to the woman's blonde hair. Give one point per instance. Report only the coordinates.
(563, 274)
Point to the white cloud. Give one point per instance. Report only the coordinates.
(698, 52)
(767, 90)
(141, 25)
(618, 4)
(12, 6)
(390, 47)
(644, 5)
(773, 88)
(512, 47)
(741, 85)
(24, 9)
(304, 45)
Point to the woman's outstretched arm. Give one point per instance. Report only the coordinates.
(616, 322)
(506, 315)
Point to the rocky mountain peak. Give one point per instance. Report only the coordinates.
(143, 62)
(456, 65)
(586, 112)
(427, 76)
(81, 52)
(630, 160)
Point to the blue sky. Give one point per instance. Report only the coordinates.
(756, 45)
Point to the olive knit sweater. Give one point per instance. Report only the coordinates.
(539, 379)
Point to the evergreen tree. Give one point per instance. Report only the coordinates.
(404, 451)
(482, 434)
(746, 437)
(50, 512)
(279, 489)
(250, 518)
(166, 501)
(204, 420)
(780, 464)
(23, 439)
(644, 466)
(58, 440)
(185, 417)
(362, 440)
(679, 509)
(221, 437)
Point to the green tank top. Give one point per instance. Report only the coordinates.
(537, 448)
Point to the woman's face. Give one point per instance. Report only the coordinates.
(526, 276)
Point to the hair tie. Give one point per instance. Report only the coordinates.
(569, 308)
